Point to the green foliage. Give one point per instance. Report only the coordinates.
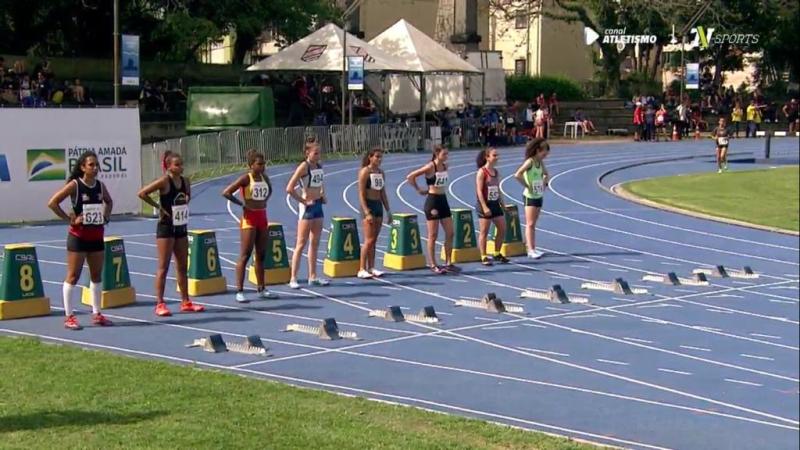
(525, 88)
(639, 83)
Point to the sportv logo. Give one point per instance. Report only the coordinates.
(704, 38)
(5, 174)
(46, 164)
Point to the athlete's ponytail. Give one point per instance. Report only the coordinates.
(436, 150)
(480, 160)
(77, 170)
(164, 158)
(533, 147)
(367, 156)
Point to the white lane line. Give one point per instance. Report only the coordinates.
(553, 308)
(578, 266)
(658, 305)
(617, 270)
(454, 280)
(358, 302)
(702, 349)
(724, 296)
(763, 358)
(520, 273)
(559, 277)
(688, 291)
(486, 319)
(442, 313)
(545, 352)
(533, 325)
(718, 311)
(610, 361)
(745, 283)
(665, 263)
(628, 300)
(705, 328)
(768, 336)
(731, 380)
(654, 321)
(644, 341)
(679, 372)
(773, 300)
(603, 315)
(391, 288)
(633, 260)
(504, 327)
(777, 288)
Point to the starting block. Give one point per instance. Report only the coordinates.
(328, 329)
(251, 345)
(618, 286)
(212, 344)
(425, 315)
(395, 314)
(555, 294)
(722, 272)
(490, 303)
(671, 278)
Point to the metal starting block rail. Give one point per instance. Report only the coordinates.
(618, 286)
(328, 329)
(723, 272)
(491, 303)
(555, 294)
(395, 314)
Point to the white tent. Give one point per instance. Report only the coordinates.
(443, 82)
(321, 51)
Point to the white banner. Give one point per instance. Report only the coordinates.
(40, 146)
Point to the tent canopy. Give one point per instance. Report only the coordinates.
(321, 51)
(418, 51)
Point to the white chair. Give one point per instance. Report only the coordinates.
(573, 128)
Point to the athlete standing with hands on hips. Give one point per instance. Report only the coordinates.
(91, 208)
(437, 209)
(306, 188)
(533, 175)
(174, 193)
(256, 190)
(373, 199)
(490, 205)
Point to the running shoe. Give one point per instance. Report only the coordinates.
(240, 298)
(438, 270)
(364, 275)
(538, 252)
(719, 170)
(188, 306)
(265, 294)
(162, 310)
(293, 284)
(71, 323)
(100, 320)
(376, 273)
(487, 261)
(500, 257)
(533, 254)
(452, 268)
(318, 282)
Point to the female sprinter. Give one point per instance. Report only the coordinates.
(174, 193)
(256, 190)
(310, 197)
(721, 135)
(533, 175)
(490, 205)
(91, 208)
(437, 210)
(371, 193)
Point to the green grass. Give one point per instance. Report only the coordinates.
(767, 197)
(57, 396)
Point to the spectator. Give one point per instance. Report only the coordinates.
(790, 111)
(736, 118)
(683, 118)
(638, 121)
(661, 122)
(697, 120)
(151, 98)
(529, 116)
(44, 88)
(78, 92)
(586, 124)
(511, 124)
(649, 123)
(539, 123)
(554, 109)
(753, 118)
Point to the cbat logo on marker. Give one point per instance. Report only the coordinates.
(46, 164)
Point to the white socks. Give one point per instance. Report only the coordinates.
(66, 293)
(96, 290)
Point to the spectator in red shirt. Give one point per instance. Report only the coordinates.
(638, 121)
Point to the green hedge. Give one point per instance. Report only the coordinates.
(525, 88)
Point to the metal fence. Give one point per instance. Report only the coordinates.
(210, 151)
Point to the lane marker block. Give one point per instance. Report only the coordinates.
(21, 290)
(117, 289)
(328, 330)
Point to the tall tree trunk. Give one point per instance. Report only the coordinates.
(243, 43)
(656, 61)
(722, 51)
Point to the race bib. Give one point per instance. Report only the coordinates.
(376, 181)
(93, 214)
(317, 175)
(441, 179)
(259, 191)
(722, 141)
(493, 193)
(538, 187)
(180, 215)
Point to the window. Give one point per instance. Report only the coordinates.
(520, 67)
(521, 21)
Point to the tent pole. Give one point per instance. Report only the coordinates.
(423, 103)
(344, 75)
(483, 90)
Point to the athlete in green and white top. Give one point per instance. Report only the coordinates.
(532, 174)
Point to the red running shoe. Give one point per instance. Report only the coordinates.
(100, 320)
(71, 323)
(188, 306)
(162, 310)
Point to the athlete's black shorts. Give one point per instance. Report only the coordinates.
(78, 245)
(537, 202)
(437, 203)
(495, 210)
(375, 207)
(167, 231)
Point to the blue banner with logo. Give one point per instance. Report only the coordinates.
(130, 60)
(692, 76)
(355, 73)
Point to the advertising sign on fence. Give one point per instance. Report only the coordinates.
(355, 73)
(40, 146)
(130, 60)
(692, 76)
